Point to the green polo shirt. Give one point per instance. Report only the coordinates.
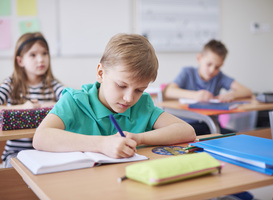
(82, 112)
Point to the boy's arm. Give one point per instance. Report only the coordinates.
(236, 91)
(51, 136)
(168, 130)
(173, 91)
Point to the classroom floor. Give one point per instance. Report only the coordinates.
(264, 193)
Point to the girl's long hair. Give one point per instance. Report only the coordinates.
(19, 79)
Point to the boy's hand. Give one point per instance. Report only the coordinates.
(135, 137)
(227, 97)
(116, 146)
(204, 95)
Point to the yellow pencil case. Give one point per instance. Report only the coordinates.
(171, 169)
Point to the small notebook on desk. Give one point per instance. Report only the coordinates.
(251, 152)
(214, 106)
(192, 101)
(42, 162)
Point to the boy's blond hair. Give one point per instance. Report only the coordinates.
(134, 52)
(216, 47)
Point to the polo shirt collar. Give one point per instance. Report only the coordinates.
(99, 109)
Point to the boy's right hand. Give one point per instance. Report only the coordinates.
(116, 146)
(204, 95)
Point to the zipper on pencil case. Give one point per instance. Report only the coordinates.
(153, 180)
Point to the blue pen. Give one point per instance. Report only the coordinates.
(116, 125)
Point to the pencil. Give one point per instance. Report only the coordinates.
(215, 137)
(190, 147)
(122, 179)
(24, 97)
(116, 125)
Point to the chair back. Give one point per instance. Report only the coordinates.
(271, 122)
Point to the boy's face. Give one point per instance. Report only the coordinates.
(118, 91)
(209, 65)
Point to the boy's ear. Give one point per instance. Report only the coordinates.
(19, 61)
(99, 73)
(198, 57)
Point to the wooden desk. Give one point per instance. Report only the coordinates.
(16, 134)
(101, 182)
(264, 133)
(210, 116)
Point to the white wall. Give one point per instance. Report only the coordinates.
(249, 59)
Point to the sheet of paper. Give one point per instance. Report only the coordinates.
(192, 101)
(26, 7)
(31, 25)
(5, 8)
(5, 34)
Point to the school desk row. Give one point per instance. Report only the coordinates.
(101, 182)
(173, 107)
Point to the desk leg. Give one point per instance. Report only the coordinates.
(210, 121)
(270, 113)
(214, 118)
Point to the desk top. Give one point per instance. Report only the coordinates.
(101, 182)
(253, 105)
(16, 134)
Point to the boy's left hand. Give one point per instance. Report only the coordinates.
(227, 97)
(135, 137)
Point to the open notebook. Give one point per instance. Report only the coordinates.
(41, 162)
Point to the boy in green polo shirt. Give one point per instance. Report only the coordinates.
(80, 119)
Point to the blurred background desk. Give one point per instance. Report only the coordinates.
(210, 116)
(16, 134)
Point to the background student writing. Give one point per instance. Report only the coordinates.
(80, 119)
(31, 78)
(206, 81)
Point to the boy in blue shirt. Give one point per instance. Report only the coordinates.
(80, 120)
(205, 82)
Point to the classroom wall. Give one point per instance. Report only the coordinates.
(249, 60)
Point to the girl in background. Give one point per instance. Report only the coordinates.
(31, 85)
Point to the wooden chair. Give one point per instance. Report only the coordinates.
(2, 146)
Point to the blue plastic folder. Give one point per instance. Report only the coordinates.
(251, 152)
(214, 106)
